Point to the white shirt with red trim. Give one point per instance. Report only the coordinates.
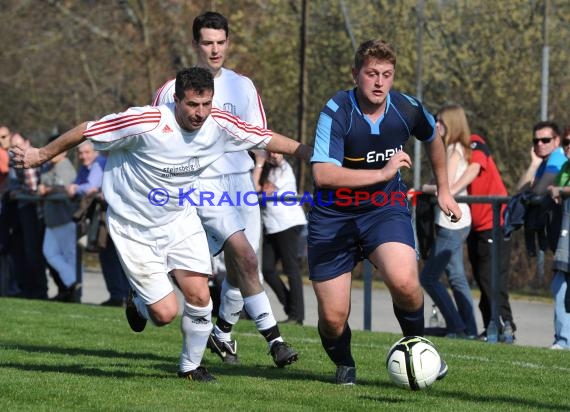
(233, 93)
(153, 161)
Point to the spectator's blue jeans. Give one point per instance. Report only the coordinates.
(561, 317)
(115, 279)
(447, 255)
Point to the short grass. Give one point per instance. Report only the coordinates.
(68, 357)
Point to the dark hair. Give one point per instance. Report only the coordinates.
(375, 49)
(547, 123)
(209, 20)
(193, 78)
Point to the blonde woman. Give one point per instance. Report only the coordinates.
(447, 252)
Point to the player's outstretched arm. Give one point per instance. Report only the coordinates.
(34, 157)
(436, 154)
(283, 144)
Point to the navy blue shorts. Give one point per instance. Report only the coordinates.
(337, 241)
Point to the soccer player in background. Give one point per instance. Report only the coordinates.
(235, 229)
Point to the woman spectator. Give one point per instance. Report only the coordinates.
(282, 224)
(447, 252)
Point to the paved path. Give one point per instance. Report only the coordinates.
(534, 319)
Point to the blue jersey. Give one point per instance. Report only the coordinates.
(347, 138)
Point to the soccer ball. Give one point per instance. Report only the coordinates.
(413, 363)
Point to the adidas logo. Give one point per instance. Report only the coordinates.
(166, 129)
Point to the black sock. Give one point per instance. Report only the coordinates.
(412, 323)
(338, 349)
(223, 325)
(271, 333)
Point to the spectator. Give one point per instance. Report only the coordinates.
(90, 174)
(4, 159)
(6, 275)
(482, 178)
(560, 193)
(447, 251)
(60, 237)
(540, 222)
(282, 226)
(29, 262)
(88, 181)
(547, 158)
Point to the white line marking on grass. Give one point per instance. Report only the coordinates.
(514, 363)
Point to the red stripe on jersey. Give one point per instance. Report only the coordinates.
(261, 111)
(158, 95)
(123, 122)
(247, 127)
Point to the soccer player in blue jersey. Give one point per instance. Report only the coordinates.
(360, 207)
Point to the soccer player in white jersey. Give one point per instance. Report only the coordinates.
(234, 229)
(155, 154)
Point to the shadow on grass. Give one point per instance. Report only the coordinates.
(77, 369)
(102, 353)
(492, 401)
(273, 373)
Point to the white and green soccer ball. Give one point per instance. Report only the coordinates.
(413, 363)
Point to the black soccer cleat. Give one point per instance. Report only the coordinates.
(200, 374)
(283, 354)
(136, 321)
(227, 351)
(345, 375)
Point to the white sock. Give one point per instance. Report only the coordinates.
(196, 326)
(231, 305)
(259, 309)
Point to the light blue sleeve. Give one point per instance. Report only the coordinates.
(555, 161)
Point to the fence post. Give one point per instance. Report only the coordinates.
(367, 295)
(495, 261)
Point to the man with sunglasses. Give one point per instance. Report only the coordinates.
(547, 158)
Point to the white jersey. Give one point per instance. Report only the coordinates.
(233, 93)
(278, 216)
(153, 162)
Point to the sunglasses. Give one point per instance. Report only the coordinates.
(543, 140)
(566, 142)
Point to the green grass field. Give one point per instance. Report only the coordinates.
(57, 357)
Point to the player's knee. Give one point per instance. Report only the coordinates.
(164, 314)
(408, 294)
(332, 324)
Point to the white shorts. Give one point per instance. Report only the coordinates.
(223, 219)
(149, 254)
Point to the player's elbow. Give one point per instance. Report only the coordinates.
(323, 176)
(321, 180)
